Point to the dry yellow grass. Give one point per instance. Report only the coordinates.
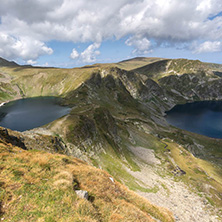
(38, 186)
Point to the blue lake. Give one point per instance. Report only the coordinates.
(204, 118)
(26, 114)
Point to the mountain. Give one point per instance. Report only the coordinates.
(4, 62)
(117, 124)
(137, 62)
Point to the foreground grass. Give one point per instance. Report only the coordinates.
(38, 186)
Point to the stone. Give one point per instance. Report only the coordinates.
(111, 179)
(82, 194)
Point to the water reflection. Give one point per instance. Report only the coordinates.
(25, 114)
(199, 117)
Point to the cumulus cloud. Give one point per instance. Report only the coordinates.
(31, 62)
(208, 46)
(88, 55)
(74, 54)
(140, 44)
(163, 21)
(23, 47)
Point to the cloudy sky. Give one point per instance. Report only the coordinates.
(69, 33)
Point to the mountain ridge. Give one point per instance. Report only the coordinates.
(117, 114)
(4, 62)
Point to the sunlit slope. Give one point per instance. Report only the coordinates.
(136, 62)
(166, 67)
(32, 82)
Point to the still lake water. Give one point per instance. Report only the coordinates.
(25, 114)
(204, 118)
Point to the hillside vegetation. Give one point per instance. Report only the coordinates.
(117, 124)
(38, 186)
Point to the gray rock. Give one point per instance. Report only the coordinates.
(82, 194)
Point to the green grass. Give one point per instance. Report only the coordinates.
(199, 173)
(115, 167)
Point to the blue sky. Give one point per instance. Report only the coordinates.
(65, 33)
(110, 51)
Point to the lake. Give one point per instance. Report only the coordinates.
(26, 114)
(204, 118)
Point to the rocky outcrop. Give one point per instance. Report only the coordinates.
(4, 62)
(82, 194)
(192, 87)
(31, 140)
(150, 89)
(15, 140)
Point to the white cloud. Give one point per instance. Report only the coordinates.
(208, 46)
(46, 64)
(163, 21)
(89, 55)
(24, 47)
(74, 54)
(31, 62)
(140, 44)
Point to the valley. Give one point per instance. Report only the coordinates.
(117, 124)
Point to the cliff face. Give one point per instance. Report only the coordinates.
(31, 140)
(180, 80)
(192, 87)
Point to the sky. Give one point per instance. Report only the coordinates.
(72, 33)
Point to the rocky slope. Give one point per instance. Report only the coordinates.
(117, 124)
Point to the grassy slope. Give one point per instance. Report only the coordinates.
(203, 176)
(46, 81)
(136, 62)
(38, 186)
(165, 67)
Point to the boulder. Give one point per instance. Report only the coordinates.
(82, 194)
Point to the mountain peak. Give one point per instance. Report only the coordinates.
(4, 62)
